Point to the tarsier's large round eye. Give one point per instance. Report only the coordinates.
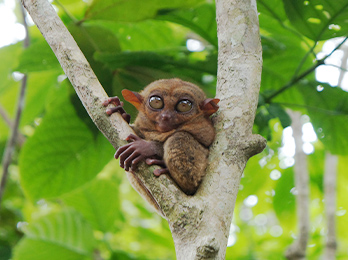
(156, 102)
(184, 105)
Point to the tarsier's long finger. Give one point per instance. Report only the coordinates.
(126, 117)
(113, 100)
(121, 150)
(132, 138)
(136, 161)
(112, 110)
(125, 155)
(151, 161)
(129, 160)
(159, 172)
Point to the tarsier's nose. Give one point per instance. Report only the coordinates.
(166, 116)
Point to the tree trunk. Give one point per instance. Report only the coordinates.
(200, 224)
(297, 251)
(330, 179)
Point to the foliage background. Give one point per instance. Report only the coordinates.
(66, 197)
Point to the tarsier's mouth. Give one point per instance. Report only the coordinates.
(165, 127)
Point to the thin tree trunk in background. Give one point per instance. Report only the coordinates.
(8, 121)
(330, 180)
(297, 251)
(11, 143)
(344, 64)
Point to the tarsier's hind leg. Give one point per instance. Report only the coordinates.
(186, 160)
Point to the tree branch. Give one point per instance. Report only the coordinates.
(296, 79)
(330, 179)
(7, 158)
(343, 67)
(4, 115)
(297, 251)
(10, 146)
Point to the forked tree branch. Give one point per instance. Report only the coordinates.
(200, 223)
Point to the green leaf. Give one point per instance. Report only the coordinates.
(39, 86)
(62, 155)
(256, 177)
(201, 20)
(133, 10)
(5, 250)
(261, 123)
(320, 19)
(278, 111)
(272, 8)
(126, 59)
(92, 38)
(8, 86)
(98, 202)
(122, 255)
(152, 60)
(283, 51)
(9, 59)
(316, 166)
(29, 249)
(284, 200)
(38, 57)
(328, 110)
(61, 235)
(8, 101)
(146, 35)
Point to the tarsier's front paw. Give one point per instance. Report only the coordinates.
(136, 151)
(118, 108)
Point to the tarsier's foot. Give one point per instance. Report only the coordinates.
(161, 163)
(118, 108)
(159, 172)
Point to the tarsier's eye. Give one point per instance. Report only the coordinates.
(156, 102)
(184, 105)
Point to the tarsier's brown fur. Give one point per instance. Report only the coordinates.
(181, 139)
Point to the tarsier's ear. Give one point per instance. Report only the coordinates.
(132, 97)
(209, 106)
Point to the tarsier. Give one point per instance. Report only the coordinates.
(173, 130)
